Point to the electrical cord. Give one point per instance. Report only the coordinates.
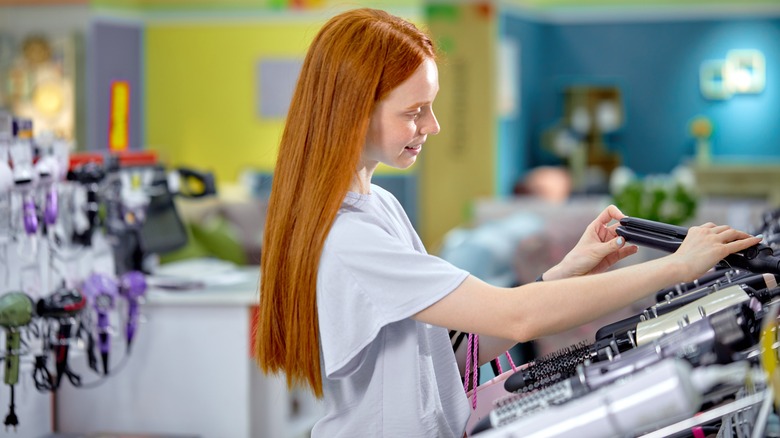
(41, 375)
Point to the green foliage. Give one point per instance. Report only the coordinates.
(669, 203)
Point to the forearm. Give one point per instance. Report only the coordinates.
(538, 309)
(542, 308)
(554, 306)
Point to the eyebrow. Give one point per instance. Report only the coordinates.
(417, 105)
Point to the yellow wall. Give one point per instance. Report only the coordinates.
(221, 5)
(458, 164)
(200, 96)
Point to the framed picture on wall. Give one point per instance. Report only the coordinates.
(38, 76)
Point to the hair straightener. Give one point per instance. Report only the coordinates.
(758, 258)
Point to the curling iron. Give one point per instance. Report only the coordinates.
(711, 278)
(710, 340)
(735, 328)
(654, 328)
(755, 285)
(562, 364)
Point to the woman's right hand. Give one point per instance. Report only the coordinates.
(706, 245)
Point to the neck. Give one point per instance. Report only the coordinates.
(361, 183)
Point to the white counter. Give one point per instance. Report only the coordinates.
(191, 372)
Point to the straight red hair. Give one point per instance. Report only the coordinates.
(355, 60)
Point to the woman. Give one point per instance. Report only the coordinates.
(350, 303)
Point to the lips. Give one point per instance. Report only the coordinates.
(414, 148)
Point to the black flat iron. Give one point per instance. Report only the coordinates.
(758, 258)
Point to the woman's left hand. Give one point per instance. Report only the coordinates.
(599, 248)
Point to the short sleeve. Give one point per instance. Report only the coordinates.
(369, 278)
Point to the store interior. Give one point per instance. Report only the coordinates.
(138, 140)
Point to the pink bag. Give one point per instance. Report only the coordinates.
(483, 398)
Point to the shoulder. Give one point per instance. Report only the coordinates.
(381, 191)
(385, 196)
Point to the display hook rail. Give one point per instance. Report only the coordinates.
(713, 414)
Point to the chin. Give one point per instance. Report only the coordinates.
(405, 165)
(400, 163)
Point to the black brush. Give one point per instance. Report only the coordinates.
(551, 368)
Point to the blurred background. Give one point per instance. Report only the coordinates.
(550, 110)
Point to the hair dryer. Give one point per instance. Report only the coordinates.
(16, 310)
(132, 286)
(63, 305)
(102, 291)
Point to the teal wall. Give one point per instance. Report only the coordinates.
(656, 64)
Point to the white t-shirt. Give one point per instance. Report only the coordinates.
(384, 374)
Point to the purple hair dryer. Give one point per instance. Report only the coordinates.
(102, 291)
(132, 286)
(30, 215)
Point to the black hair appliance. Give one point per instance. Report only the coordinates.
(711, 340)
(758, 258)
(753, 284)
(90, 175)
(628, 334)
(716, 276)
(62, 306)
(664, 393)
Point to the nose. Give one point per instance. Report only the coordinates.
(431, 125)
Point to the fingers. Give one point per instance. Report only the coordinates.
(731, 234)
(739, 245)
(720, 228)
(613, 245)
(725, 232)
(609, 214)
(732, 240)
(615, 212)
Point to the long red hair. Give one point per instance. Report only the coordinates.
(355, 60)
